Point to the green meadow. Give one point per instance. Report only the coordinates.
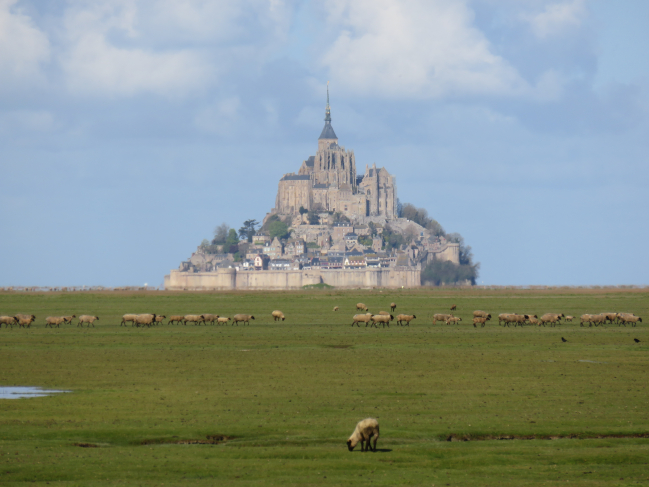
(273, 403)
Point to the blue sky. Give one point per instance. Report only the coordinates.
(129, 129)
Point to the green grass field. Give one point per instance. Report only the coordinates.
(287, 395)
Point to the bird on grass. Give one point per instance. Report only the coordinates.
(563, 340)
(636, 340)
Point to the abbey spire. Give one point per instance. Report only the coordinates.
(328, 133)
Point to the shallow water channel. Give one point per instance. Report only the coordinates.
(14, 392)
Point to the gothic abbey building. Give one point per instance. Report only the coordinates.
(328, 182)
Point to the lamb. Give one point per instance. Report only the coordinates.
(441, 317)
(393, 306)
(176, 318)
(479, 320)
(222, 320)
(90, 319)
(383, 319)
(364, 431)
(533, 319)
(405, 319)
(159, 319)
(361, 306)
(336, 308)
(128, 318)
(209, 318)
(243, 318)
(68, 319)
(54, 320)
(25, 320)
(196, 319)
(277, 315)
(454, 320)
(364, 318)
(453, 308)
(8, 321)
(482, 314)
(569, 318)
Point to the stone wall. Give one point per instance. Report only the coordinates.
(231, 279)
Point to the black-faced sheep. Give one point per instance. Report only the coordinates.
(401, 319)
(159, 319)
(569, 318)
(610, 317)
(453, 320)
(245, 319)
(209, 318)
(441, 317)
(336, 308)
(90, 319)
(453, 308)
(363, 433)
(481, 314)
(68, 319)
(479, 320)
(393, 306)
(383, 319)
(223, 320)
(364, 318)
(629, 318)
(128, 318)
(176, 318)
(145, 319)
(25, 320)
(277, 315)
(196, 319)
(361, 306)
(8, 321)
(54, 320)
(552, 318)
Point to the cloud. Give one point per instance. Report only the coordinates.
(23, 47)
(103, 55)
(416, 49)
(556, 18)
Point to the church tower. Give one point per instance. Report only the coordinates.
(328, 136)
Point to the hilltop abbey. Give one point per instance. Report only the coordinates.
(328, 182)
(338, 223)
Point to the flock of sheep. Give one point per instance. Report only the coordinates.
(381, 318)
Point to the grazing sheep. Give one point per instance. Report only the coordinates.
(68, 319)
(364, 318)
(383, 313)
(533, 319)
(209, 318)
(569, 318)
(196, 319)
(552, 318)
(361, 306)
(245, 319)
(145, 319)
(405, 319)
(364, 431)
(482, 314)
(87, 319)
(25, 320)
(128, 318)
(383, 319)
(222, 320)
(336, 308)
(393, 306)
(585, 318)
(441, 317)
(54, 320)
(453, 320)
(503, 317)
(610, 317)
(629, 318)
(159, 319)
(8, 321)
(479, 320)
(453, 308)
(278, 315)
(176, 318)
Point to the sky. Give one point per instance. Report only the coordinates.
(130, 129)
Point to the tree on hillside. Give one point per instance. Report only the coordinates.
(248, 230)
(392, 239)
(314, 218)
(231, 242)
(221, 234)
(420, 216)
(278, 228)
(303, 210)
(439, 273)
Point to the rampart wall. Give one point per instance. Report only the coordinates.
(231, 279)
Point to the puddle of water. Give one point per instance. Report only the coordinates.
(19, 392)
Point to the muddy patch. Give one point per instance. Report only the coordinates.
(209, 440)
(575, 436)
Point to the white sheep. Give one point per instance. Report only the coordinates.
(87, 319)
(364, 318)
(401, 319)
(8, 321)
(364, 431)
(54, 320)
(277, 315)
(361, 306)
(146, 319)
(383, 319)
(210, 318)
(223, 320)
(196, 319)
(441, 317)
(242, 318)
(128, 318)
